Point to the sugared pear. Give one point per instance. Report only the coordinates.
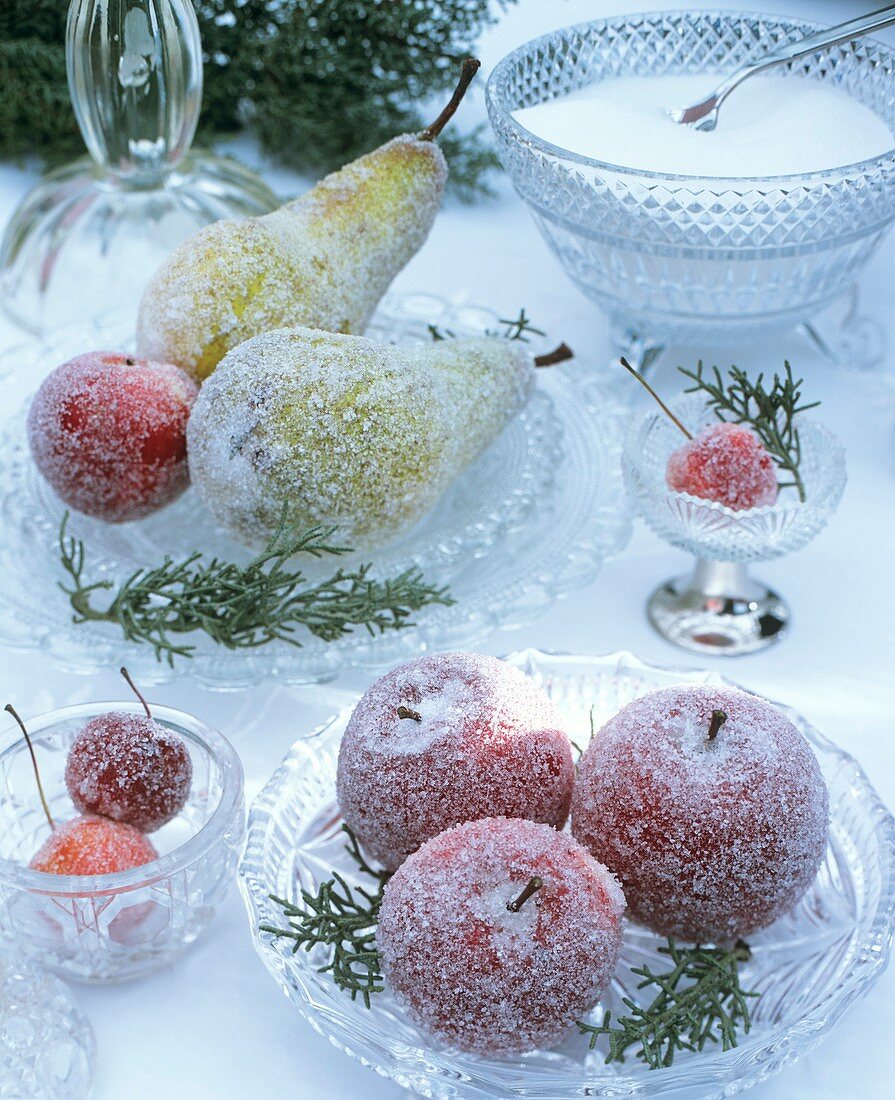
(344, 430)
(324, 260)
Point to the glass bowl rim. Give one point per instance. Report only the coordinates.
(496, 95)
(20, 876)
(870, 962)
(788, 507)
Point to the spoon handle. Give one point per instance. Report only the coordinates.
(820, 40)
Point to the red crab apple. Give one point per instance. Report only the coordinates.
(130, 768)
(497, 934)
(85, 845)
(725, 463)
(108, 432)
(449, 738)
(709, 806)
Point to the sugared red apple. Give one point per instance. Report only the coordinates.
(108, 432)
(92, 846)
(725, 463)
(449, 738)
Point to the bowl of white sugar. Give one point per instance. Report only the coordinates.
(760, 223)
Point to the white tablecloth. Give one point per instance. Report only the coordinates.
(213, 1023)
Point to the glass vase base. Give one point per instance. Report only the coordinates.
(721, 619)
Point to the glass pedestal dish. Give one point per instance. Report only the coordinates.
(693, 258)
(721, 609)
(85, 241)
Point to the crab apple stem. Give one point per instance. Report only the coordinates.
(534, 884)
(558, 355)
(40, 786)
(649, 389)
(133, 688)
(718, 720)
(470, 67)
(406, 712)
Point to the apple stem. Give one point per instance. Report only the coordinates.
(406, 712)
(470, 67)
(558, 355)
(534, 884)
(718, 720)
(40, 787)
(133, 688)
(649, 389)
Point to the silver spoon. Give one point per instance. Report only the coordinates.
(704, 115)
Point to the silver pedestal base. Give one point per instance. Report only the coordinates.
(719, 610)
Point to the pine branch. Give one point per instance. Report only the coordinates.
(243, 607)
(515, 328)
(769, 413)
(344, 919)
(700, 1000)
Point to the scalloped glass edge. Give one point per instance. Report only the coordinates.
(442, 1073)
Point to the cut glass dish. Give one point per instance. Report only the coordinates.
(809, 966)
(531, 520)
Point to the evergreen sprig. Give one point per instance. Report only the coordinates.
(700, 1000)
(770, 413)
(319, 81)
(514, 328)
(246, 606)
(343, 918)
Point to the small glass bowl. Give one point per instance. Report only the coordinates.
(721, 609)
(108, 928)
(677, 256)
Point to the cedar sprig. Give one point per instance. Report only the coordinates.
(516, 328)
(246, 606)
(700, 1000)
(343, 918)
(770, 412)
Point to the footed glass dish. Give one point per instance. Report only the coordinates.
(808, 967)
(47, 1048)
(720, 608)
(108, 928)
(694, 257)
(531, 520)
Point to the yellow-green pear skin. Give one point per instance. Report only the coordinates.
(347, 431)
(324, 260)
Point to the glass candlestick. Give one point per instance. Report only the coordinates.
(720, 608)
(83, 244)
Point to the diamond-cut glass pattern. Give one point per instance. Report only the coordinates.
(685, 251)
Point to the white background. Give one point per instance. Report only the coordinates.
(214, 1024)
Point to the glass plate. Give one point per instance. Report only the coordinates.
(531, 520)
(809, 966)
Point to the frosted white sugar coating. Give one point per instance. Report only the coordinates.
(129, 768)
(711, 839)
(323, 260)
(346, 431)
(479, 976)
(489, 742)
(108, 432)
(725, 463)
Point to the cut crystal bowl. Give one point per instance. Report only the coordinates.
(531, 520)
(693, 255)
(106, 928)
(47, 1048)
(711, 530)
(808, 967)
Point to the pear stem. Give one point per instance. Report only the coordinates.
(133, 688)
(406, 712)
(558, 355)
(534, 884)
(718, 720)
(649, 389)
(470, 67)
(40, 787)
